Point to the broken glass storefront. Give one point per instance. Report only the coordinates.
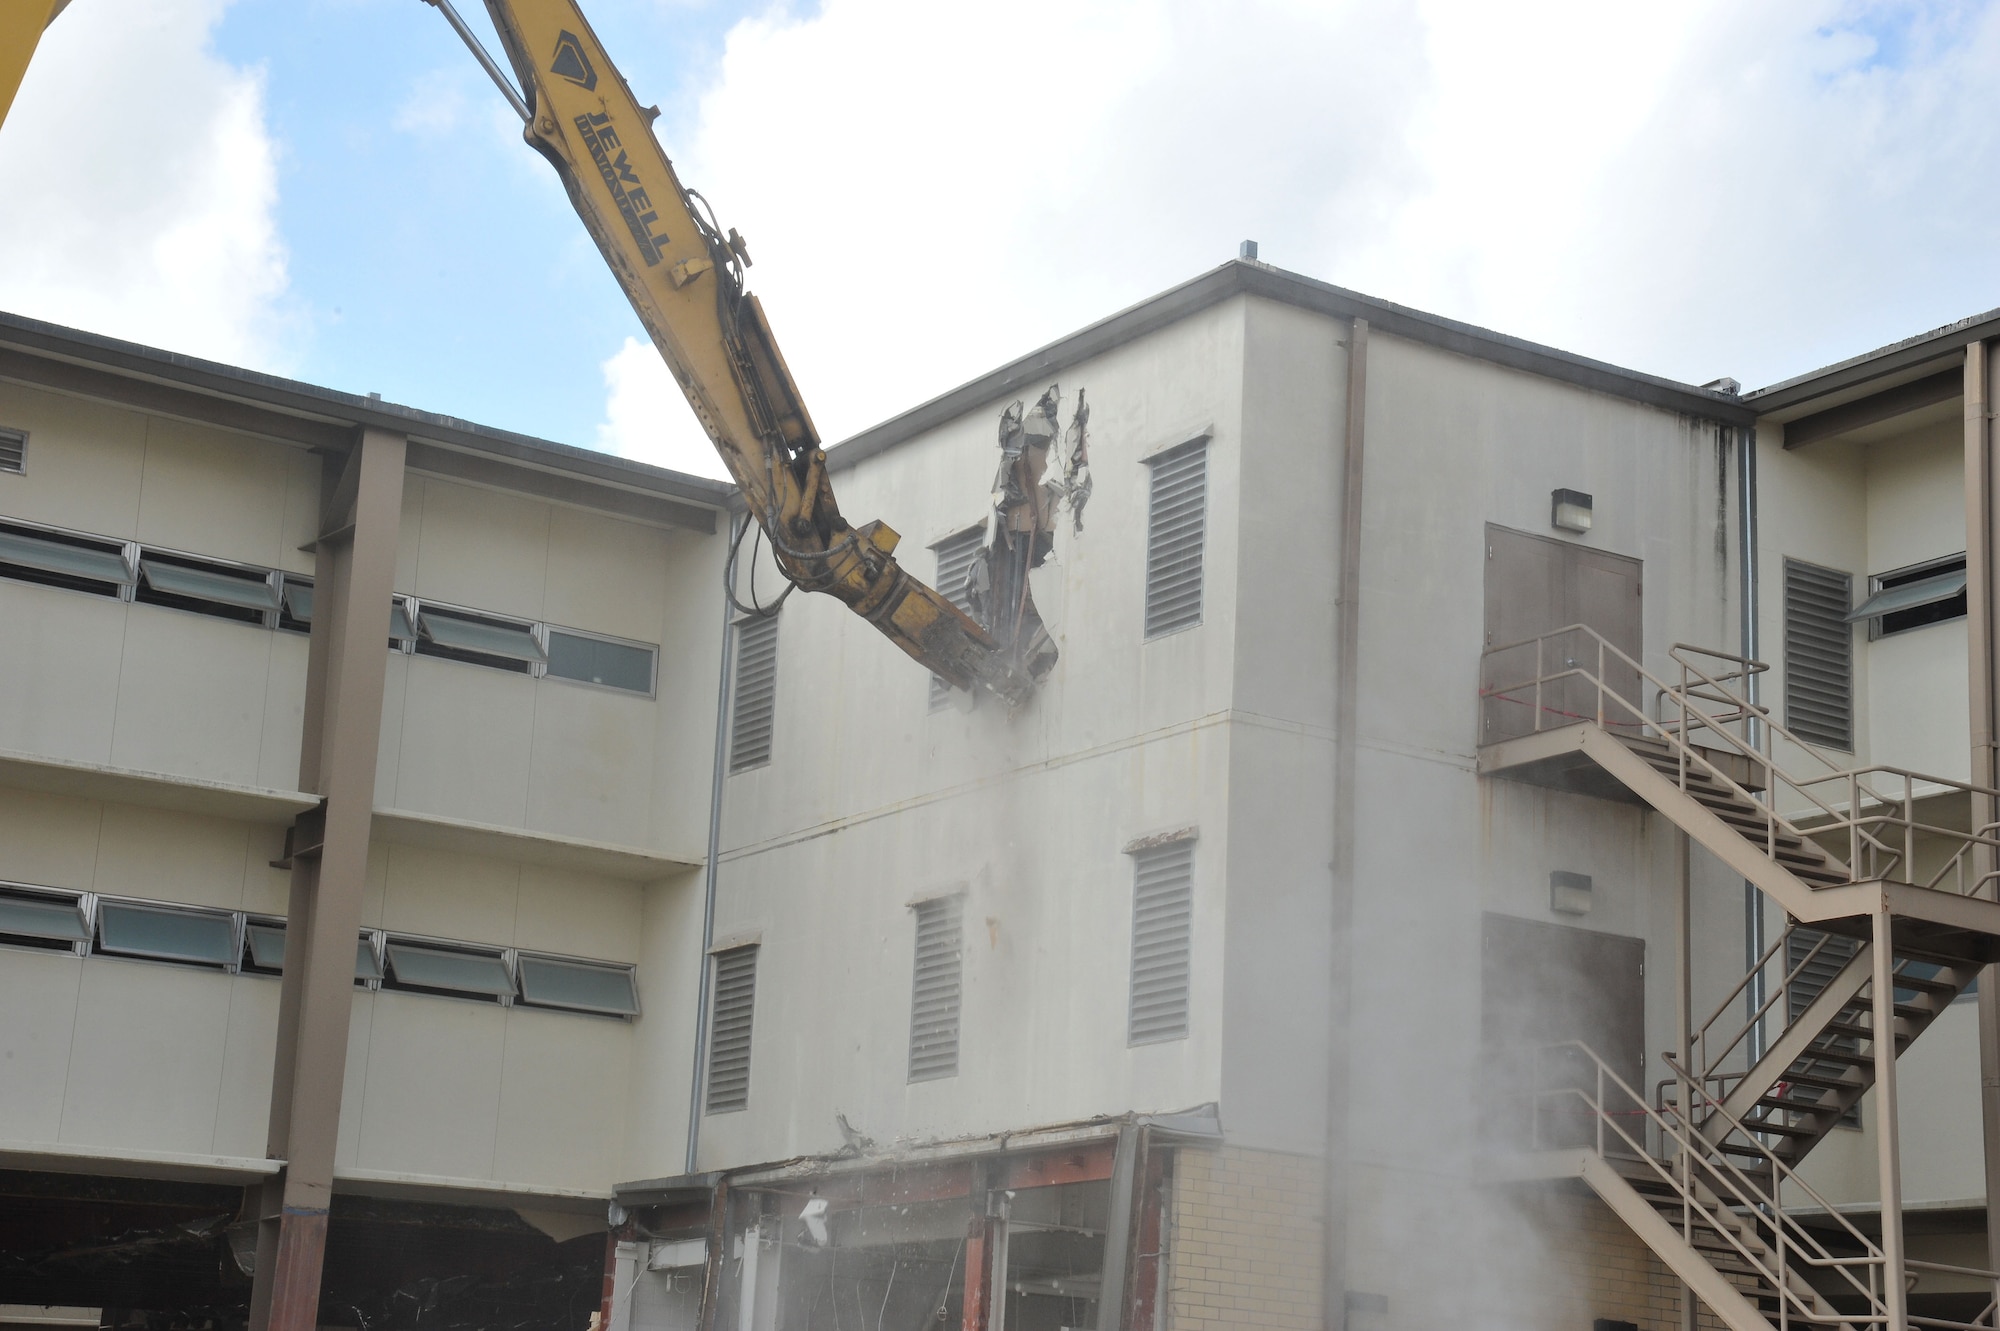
(1020, 1243)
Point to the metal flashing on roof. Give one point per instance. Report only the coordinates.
(1238, 278)
(1909, 358)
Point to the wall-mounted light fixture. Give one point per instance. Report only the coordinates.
(1569, 893)
(1569, 510)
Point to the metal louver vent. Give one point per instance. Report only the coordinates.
(1819, 654)
(936, 989)
(729, 1029)
(1175, 533)
(756, 693)
(955, 555)
(14, 451)
(1809, 979)
(1162, 916)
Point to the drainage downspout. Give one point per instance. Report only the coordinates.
(1346, 708)
(710, 868)
(1746, 540)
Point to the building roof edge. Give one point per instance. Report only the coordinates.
(1247, 277)
(327, 405)
(1876, 364)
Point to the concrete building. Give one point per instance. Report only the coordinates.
(1313, 932)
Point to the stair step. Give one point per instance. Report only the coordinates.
(1935, 984)
(1828, 1080)
(1860, 1032)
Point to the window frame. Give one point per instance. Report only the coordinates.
(19, 449)
(1915, 573)
(84, 903)
(273, 580)
(650, 648)
(228, 966)
(128, 551)
(416, 606)
(390, 983)
(527, 957)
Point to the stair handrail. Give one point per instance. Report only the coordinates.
(1861, 793)
(1884, 857)
(1703, 1061)
(1734, 1191)
(1685, 753)
(1782, 1175)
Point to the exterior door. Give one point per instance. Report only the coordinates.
(1543, 986)
(1535, 585)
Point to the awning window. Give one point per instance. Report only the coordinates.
(62, 558)
(247, 591)
(514, 642)
(457, 972)
(167, 935)
(49, 918)
(578, 986)
(399, 621)
(299, 601)
(1910, 595)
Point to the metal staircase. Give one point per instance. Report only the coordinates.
(1891, 911)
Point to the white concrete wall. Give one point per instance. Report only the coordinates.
(873, 800)
(1870, 509)
(134, 1056)
(1453, 444)
(551, 755)
(140, 686)
(1917, 679)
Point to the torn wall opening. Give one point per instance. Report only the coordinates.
(1043, 470)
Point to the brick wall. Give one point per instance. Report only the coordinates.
(1243, 1251)
(1599, 1267)
(1243, 1242)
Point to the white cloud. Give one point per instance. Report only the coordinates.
(141, 186)
(646, 418)
(1693, 189)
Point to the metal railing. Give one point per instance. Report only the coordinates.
(1734, 1206)
(1709, 724)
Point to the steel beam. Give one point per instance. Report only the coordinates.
(1982, 612)
(1888, 1144)
(354, 573)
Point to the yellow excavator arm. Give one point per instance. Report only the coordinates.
(684, 277)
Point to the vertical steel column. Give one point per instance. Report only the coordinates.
(1346, 712)
(1982, 610)
(1888, 1142)
(1122, 1219)
(1684, 1040)
(353, 581)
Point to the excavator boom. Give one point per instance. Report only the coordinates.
(684, 277)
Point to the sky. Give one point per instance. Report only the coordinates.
(331, 190)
